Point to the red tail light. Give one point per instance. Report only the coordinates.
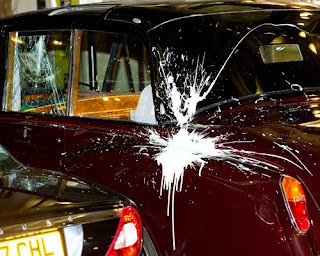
(127, 240)
(296, 203)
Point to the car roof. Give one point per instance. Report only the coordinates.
(155, 12)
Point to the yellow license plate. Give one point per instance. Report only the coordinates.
(47, 244)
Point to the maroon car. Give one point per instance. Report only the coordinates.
(205, 114)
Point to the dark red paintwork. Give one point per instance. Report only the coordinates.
(225, 211)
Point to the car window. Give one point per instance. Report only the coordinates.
(228, 64)
(113, 70)
(37, 72)
(7, 162)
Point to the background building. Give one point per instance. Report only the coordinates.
(9, 7)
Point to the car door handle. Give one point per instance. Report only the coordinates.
(25, 132)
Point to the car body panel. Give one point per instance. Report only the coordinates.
(225, 206)
(24, 130)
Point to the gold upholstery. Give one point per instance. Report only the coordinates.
(108, 106)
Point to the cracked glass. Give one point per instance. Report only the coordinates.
(38, 71)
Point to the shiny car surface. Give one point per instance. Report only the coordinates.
(205, 114)
(49, 213)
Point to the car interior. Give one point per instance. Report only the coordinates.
(110, 71)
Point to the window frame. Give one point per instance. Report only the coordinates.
(117, 27)
(9, 61)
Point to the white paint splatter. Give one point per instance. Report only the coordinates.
(296, 87)
(192, 149)
(290, 150)
(184, 149)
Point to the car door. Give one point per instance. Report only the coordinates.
(34, 98)
(111, 69)
(112, 112)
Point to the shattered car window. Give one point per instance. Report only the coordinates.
(38, 71)
(225, 66)
(14, 175)
(7, 162)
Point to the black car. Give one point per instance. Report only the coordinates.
(48, 213)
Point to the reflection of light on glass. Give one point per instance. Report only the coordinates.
(136, 20)
(314, 105)
(278, 49)
(312, 47)
(65, 203)
(316, 113)
(105, 98)
(16, 39)
(314, 124)
(314, 98)
(272, 3)
(300, 24)
(278, 40)
(117, 99)
(305, 15)
(303, 34)
(56, 42)
(72, 183)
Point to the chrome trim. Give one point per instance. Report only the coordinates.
(65, 11)
(59, 222)
(293, 222)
